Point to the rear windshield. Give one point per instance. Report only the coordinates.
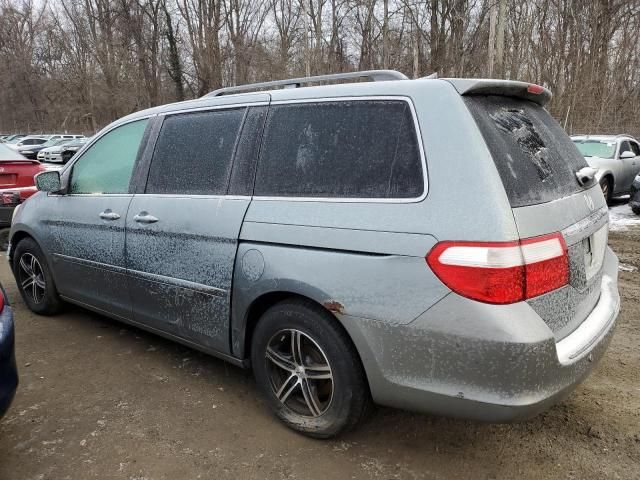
(536, 159)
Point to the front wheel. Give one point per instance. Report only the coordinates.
(606, 187)
(34, 279)
(308, 369)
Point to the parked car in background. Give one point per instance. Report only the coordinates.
(634, 198)
(29, 141)
(616, 157)
(13, 138)
(16, 185)
(298, 232)
(8, 369)
(63, 153)
(40, 151)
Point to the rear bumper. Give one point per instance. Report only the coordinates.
(486, 362)
(8, 370)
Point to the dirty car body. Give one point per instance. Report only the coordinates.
(492, 311)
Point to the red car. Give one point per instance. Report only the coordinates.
(16, 185)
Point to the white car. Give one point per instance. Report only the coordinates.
(616, 157)
(54, 153)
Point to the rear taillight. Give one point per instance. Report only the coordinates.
(535, 89)
(9, 198)
(502, 272)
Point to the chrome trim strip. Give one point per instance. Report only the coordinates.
(153, 277)
(91, 263)
(576, 345)
(178, 195)
(361, 200)
(227, 106)
(178, 282)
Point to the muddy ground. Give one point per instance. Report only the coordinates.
(99, 399)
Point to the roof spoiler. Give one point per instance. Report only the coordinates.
(507, 88)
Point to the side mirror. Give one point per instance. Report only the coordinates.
(627, 154)
(48, 181)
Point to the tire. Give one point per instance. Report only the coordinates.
(317, 407)
(606, 187)
(636, 209)
(40, 294)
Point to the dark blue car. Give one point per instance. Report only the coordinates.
(8, 370)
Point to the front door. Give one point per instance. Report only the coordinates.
(87, 225)
(182, 232)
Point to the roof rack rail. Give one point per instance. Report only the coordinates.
(374, 75)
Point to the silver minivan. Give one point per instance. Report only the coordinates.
(437, 245)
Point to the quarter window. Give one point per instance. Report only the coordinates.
(346, 149)
(106, 167)
(194, 152)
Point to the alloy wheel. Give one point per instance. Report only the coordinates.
(31, 277)
(299, 373)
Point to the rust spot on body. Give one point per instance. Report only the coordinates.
(334, 306)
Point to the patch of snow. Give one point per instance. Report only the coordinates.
(621, 218)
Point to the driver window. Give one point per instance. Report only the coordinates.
(106, 167)
(624, 147)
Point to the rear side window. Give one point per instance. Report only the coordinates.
(343, 149)
(536, 159)
(193, 153)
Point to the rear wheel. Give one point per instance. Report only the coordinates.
(606, 186)
(34, 279)
(309, 371)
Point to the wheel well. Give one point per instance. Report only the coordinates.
(609, 178)
(266, 301)
(17, 237)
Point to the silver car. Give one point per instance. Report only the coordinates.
(437, 245)
(616, 158)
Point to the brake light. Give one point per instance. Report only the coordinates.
(502, 272)
(1, 300)
(535, 89)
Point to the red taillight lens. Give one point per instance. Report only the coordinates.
(535, 89)
(502, 272)
(1, 301)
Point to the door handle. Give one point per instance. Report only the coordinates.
(144, 217)
(109, 215)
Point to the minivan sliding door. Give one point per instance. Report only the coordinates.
(182, 232)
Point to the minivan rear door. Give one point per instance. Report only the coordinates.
(537, 163)
(183, 225)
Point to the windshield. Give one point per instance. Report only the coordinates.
(596, 148)
(55, 141)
